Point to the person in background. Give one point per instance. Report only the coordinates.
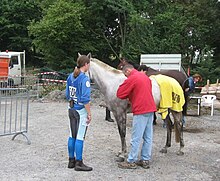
(78, 94)
(137, 88)
(189, 87)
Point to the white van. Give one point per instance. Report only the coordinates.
(16, 66)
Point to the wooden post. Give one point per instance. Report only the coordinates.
(217, 84)
(207, 86)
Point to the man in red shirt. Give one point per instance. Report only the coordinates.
(137, 88)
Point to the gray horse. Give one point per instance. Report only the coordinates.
(108, 80)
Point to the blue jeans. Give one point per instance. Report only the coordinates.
(142, 128)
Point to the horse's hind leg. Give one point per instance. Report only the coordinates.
(169, 132)
(178, 130)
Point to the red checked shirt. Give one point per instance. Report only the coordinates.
(138, 89)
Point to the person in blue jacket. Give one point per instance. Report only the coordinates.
(78, 94)
(189, 87)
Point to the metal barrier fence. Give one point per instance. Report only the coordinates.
(14, 106)
(15, 92)
(29, 82)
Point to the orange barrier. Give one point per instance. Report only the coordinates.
(4, 64)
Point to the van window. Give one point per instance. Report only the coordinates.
(14, 60)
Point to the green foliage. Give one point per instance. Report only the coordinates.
(160, 29)
(207, 68)
(15, 16)
(60, 34)
(110, 29)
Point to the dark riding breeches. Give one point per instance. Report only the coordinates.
(74, 122)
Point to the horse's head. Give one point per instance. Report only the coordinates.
(148, 70)
(122, 63)
(143, 68)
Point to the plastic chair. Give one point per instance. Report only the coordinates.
(208, 101)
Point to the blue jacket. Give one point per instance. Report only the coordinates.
(78, 90)
(189, 83)
(192, 84)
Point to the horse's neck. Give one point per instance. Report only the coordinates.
(105, 79)
(151, 71)
(98, 79)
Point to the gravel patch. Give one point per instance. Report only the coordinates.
(46, 157)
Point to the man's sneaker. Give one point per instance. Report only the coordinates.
(143, 163)
(127, 165)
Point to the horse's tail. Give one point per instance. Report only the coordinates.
(177, 133)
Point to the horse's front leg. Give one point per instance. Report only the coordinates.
(168, 122)
(121, 122)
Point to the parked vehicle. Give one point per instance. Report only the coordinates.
(12, 67)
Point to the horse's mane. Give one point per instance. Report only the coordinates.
(106, 66)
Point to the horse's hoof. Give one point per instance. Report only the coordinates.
(180, 153)
(164, 150)
(110, 120)
(120, 159)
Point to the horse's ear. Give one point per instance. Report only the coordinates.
(79, 55)
(89, 55)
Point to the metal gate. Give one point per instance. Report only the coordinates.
(14, 106)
